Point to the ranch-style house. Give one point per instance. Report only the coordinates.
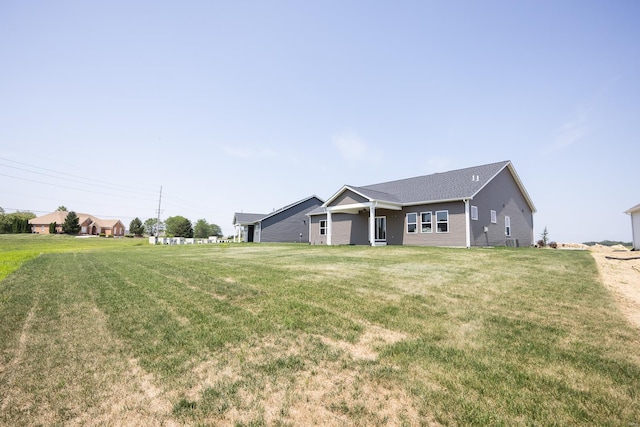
(485, 205)
(287, 224)
(89, 224)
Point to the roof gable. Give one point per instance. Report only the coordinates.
(252, 218)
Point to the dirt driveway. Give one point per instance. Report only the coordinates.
(622, 277)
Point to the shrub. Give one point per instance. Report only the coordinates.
(102, 235)
(553, 245)
(540, 244)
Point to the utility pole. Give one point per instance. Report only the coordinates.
(158, 221)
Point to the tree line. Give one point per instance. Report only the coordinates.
(175, 226)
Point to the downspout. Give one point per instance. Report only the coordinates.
(467, 222)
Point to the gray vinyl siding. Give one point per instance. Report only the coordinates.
(502, 195)
(348, 198)
(397, 228)
(346, 229)
(288, 225)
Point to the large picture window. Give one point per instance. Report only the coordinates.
(442, 221)
(425, 222)
(323, 227)
(412, 222)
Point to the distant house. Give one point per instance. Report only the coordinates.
(484, 205)
(287, 224)
(89, 224)
(635, 226)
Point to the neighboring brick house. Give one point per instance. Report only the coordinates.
(484, 205)
(89, 224)
(288, 224)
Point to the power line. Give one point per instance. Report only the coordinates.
(126, 188)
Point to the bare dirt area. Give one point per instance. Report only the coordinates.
(620, 273)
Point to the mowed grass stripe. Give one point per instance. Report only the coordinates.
(275, 335)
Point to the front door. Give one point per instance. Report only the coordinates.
(250, 230)
(381, 229)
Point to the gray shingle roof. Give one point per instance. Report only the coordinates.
(452, 185)
(250, 218)
(244, 218)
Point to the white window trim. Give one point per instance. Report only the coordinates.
(414, 223)
(507, 226)
(323, 228)
(430, 222)
(474, 213)
(494, 217)
(442, 222)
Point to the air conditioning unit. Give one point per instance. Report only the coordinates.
(513, 243)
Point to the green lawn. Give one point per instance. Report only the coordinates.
(116, 331)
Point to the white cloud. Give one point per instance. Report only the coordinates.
(571, 132)
(353, 148)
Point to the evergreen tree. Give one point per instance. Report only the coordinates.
(71, 223)
(52, 228)
(136, 227)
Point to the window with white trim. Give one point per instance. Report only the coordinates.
(494, 217)
(474, 213)
(323, 227)
(425, 222)
(412, 222)
(442, 221)
(507, 226)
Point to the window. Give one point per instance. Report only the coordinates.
(412, 222)
(323, 227)
(474, 213)
(381, 228)
(494, 217)
(425, 221)
(442, 221)
(507, 226)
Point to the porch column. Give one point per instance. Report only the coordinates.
(372, 225)
(329, 227)
(467, 221)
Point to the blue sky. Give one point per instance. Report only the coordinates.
(249, 106)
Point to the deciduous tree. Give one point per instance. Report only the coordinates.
(178, 226)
